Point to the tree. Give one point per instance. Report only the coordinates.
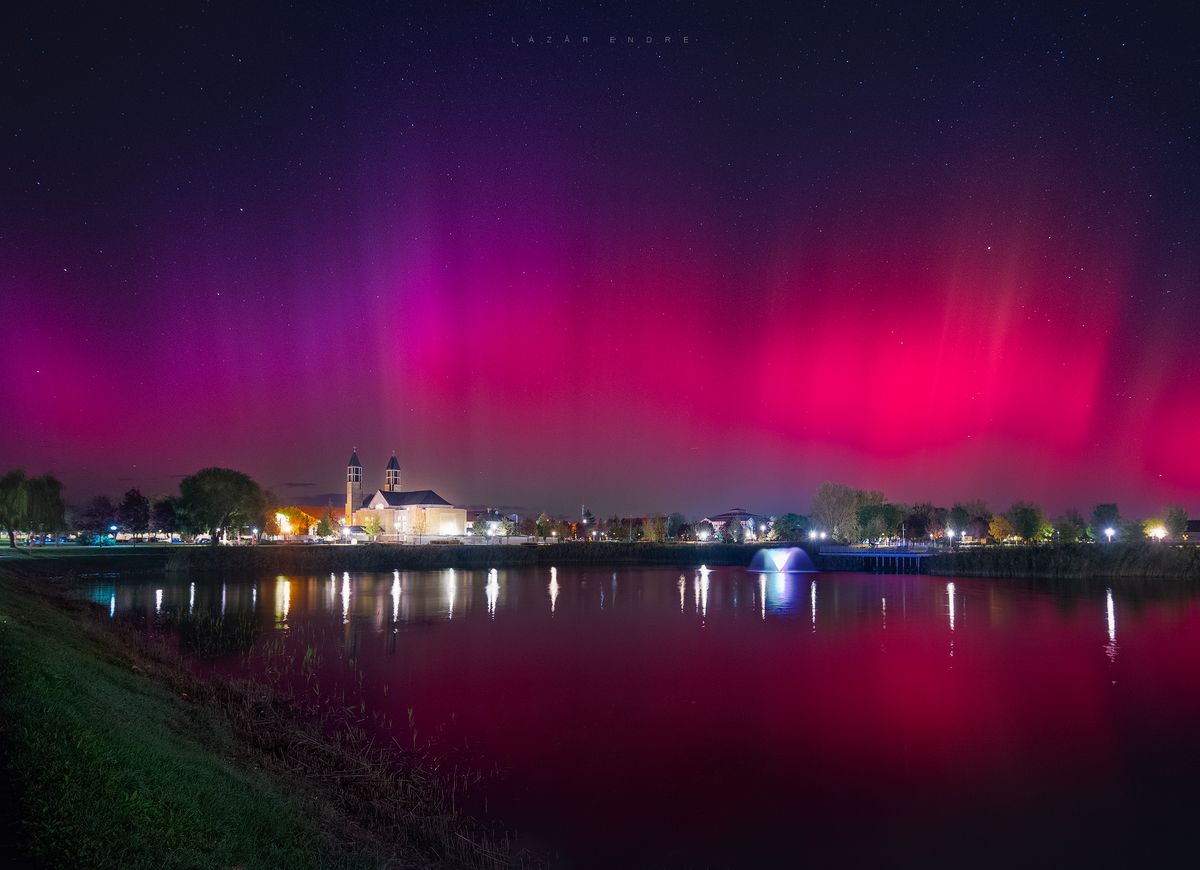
(589, 519)
(655, 528)
(372, 526)
(325, 526)
(675, 524)
(542, 524)
(704, 531)
(1000, 529)
(508, 527)
(1026, 520)
(789, 527)
(213, 499)
(162, 516)
(99, 516)
(14, 504)
(1070, 528)
(733, 532)
(1104, 516)
(1175, 519)
(959, 518)
(527, 527)
(420, 523)
(479, 526)
(880, 520)
(835, 509)
(133, 514)
(925, 520)
(46, 510)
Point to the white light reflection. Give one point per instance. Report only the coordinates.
(702, 591)
(345, 597)
(1111, 647)
(762, 596)
(332, 590)
(254, 598)
(682, 591)
(493, 592)
(395, 596)
(883, 610)
(553, 588)
(283, 601)
(451, 592)
(950, 598)
(222, 599)
(812, 598)
(112, 606)
(157, 601)
(191, 597)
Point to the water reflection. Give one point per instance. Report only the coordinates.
(493, 591)
(451, 586)
(283, 601)
(1111, 612)
(762, 596)
(812, 597)
(112, 606)
(346, 598)
(157, 601)
(553, 589)
(682, 592)
(191, 598)
(395, 597)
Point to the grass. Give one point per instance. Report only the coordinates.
(1138, 561)
(114, 770)
(120, 758)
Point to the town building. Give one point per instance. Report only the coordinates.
(755, 525)
(402, 516)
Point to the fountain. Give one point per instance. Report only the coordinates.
(782, 560)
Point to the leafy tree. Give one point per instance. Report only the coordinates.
(924, 520)
(14, 504)
(789, 527)
(47, 511)
(655, 528)
(542, 524)
(325, 526)
(733, 532)
(704, 531)
(589, 519)
(508, 527)
(213, 499)
(687, 532)
(372, 526)
(527, 527)
(420, 523)
(99, 516)
(479, 526)
(133, 514)
(1175, 519)
(1131, 531)
(675, 524)
(835, 509)
(1026, 520)
(880, 520)
(162, 516)
(1104, 516)
(1070, 528)
(959, 518)
(1000, 529)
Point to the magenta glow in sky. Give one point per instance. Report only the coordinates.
(948, 258)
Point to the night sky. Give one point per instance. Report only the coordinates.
(947, 254)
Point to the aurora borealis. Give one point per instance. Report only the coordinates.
(947, 255)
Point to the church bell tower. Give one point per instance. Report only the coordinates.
(391, 478)
(353, 487)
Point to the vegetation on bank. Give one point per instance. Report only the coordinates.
(119, 757)
(1071, 561)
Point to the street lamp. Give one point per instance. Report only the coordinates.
(1110, 531)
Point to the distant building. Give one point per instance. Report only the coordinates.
(420, 513)
(753, 524)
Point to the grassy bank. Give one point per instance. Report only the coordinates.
(268, 560)
(1072, 562)
(118, 757)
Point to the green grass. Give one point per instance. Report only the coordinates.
(112, 769)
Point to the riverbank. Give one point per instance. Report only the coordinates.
(1070, 562)
(270, 560)
(119, 756)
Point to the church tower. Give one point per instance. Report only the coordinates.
(353, 487)
(391, 478)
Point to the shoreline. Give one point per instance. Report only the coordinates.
(111, 739)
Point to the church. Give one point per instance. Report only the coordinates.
(416, 515)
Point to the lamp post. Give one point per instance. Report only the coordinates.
(1110, 531)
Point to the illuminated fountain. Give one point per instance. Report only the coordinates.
(783, 560)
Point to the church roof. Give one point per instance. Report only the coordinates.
(393, 464)
(354, 460)
(404, 499)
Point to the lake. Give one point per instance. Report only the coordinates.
(690, 717)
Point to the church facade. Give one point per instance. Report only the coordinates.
(415, 515)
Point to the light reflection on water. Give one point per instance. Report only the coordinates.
(758, 694)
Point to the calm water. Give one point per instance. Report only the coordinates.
(659, 718)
